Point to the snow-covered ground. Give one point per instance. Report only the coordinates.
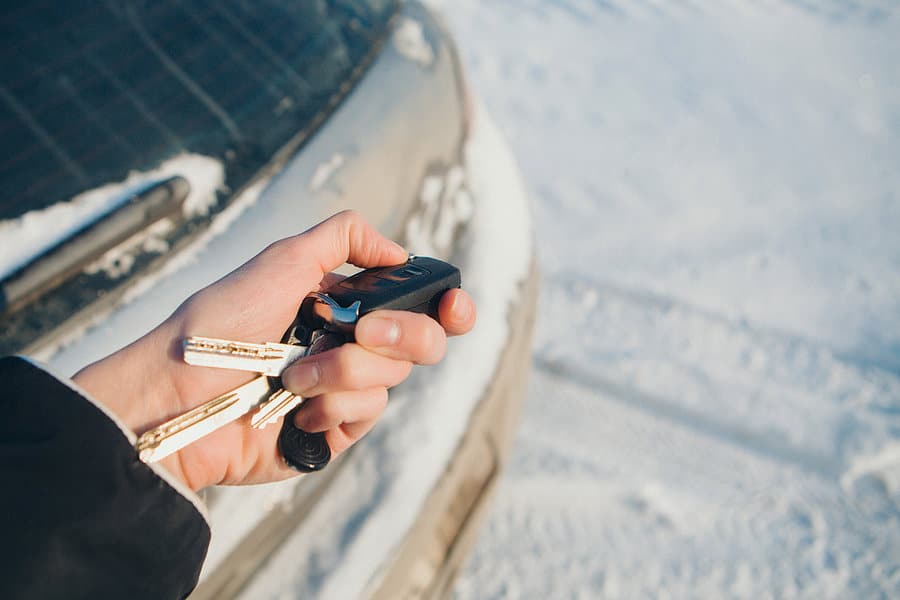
(715, 401)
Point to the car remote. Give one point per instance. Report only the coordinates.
(327, 319)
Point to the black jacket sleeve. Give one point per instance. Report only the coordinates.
(82, 516)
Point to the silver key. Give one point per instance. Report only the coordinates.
(278, 404)
(267, 359)
(283, 402)
(185, 429)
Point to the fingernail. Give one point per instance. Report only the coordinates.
(301, 377)
(378, 331)
(461, 309)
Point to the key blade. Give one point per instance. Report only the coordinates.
(274, 408)
(268, 359)
(267, 408)
(283, 410)
(181, 431)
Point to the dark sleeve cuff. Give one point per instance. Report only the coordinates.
(83, 516)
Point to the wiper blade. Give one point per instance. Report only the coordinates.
(70, 256)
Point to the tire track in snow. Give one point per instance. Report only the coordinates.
(657, 301)
(725, 153)
(705, 424)
(721, 375)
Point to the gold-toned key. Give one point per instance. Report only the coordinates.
(266, 359)
(185, 429)
(276, 406)
(269, 359)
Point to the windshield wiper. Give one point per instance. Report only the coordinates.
(71, 255)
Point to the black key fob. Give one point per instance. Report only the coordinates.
(417, 286)
(331, 315)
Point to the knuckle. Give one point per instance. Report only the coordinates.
(382, 399)
(330, 410)
(346, 222)
(345, 366)
(432, 344)
(404, 371)
(349, 216)
(283, 250)
(375, 401)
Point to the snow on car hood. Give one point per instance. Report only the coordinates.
(348, 539)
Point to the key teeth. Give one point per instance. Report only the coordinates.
(279, 404)
(258, 424)
(263, 424)
(228, 348)
(187, 428)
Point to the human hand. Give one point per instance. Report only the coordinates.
(147, 383)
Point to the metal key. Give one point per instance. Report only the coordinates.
(276, 406)
(267, 359)
(185, 429)
(282, 402)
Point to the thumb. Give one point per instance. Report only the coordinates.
(347, 237)
(297, 264)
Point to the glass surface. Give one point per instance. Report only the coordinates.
(92, 91)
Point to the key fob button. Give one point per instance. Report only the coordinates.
(404, 272)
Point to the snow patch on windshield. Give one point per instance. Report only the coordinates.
(39, 230)
(409, 40)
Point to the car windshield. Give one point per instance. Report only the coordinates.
(89, 94)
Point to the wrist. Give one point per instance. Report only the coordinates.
(133, 383)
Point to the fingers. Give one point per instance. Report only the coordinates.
(416, 337)
(346, 388)
(328, 411)
(457, 312)
(261, 297)
(402, 335)
(345, 417)
(388, 343)
(347, 368)
(342, 437)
